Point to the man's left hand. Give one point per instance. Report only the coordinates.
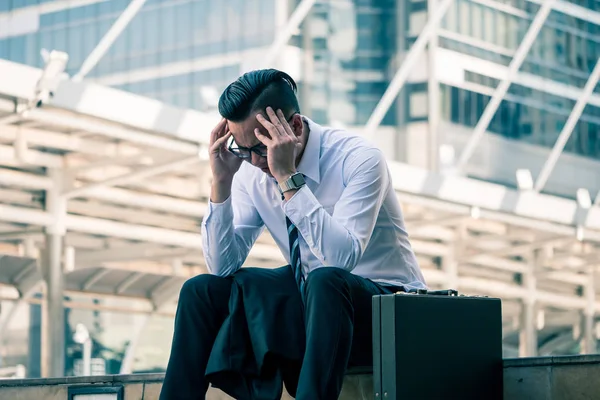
(282, 147)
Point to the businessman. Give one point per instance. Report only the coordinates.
(326, 197)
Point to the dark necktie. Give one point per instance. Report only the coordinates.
(295, 252)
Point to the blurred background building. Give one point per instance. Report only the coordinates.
(344, 55)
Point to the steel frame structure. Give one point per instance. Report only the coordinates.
(565, 133)
(403, 72)
(473, 235)
(76, 193)
(531, 274)
(502, 89)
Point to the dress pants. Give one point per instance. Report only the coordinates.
(338, 325)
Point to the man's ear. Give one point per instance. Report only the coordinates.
(297, 125)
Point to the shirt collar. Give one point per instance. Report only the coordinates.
(309, 164)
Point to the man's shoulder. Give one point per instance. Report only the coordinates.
(346, 142)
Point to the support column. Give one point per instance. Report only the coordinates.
(528, 341)
(450, 261)
(588, 345)
(54, 277)
(308, 68)
(433, 97)
(282, 14)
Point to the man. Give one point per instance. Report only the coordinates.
(326, 197)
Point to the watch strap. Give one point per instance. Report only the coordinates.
(294, 182)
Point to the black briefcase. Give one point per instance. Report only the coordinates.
(437, 345)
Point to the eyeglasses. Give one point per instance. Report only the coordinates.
(246, 152)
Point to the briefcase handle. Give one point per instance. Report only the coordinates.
(445, 292)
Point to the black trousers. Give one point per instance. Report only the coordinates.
(338, 332)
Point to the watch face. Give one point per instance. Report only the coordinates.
(298, 179)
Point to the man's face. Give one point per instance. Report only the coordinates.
(243, 135)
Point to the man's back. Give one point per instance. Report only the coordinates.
(348, 179)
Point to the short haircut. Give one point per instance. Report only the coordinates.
(255, 91)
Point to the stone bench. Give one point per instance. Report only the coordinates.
(547, 378)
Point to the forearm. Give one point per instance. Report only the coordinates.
(229, 228)
(221, 250)
(220, 191)
(329, 240)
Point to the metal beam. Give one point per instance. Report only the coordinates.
(11, 157)
(117, 212)
(500, 92)
(132, 177)
(114, 131)
(109, 38)
(100, 307)
(405, 69)
(567, 130)
(497, 216)
(102, 227)
(134, 252)
(112, 195)
(283, 36)
(62, 141)
(507, 291)
(519, 249)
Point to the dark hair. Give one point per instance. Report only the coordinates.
(256, 90)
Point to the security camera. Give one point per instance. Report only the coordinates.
(55, 64)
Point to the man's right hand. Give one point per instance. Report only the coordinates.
(223, 163)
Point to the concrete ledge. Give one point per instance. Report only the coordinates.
(544, 378)
(552, 378)
(358, 385)
(554, 361)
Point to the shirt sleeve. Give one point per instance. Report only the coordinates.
(229, 230)
(340, 239)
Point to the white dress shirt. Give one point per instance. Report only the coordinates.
(347, 214)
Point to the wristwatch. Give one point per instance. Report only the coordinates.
(294, 182)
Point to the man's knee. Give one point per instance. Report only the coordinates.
(322, 279)
(204, 286)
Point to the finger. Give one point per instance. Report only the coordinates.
(275, 121)
(286, 126)
(219, 143)
(217, 131)
(268, 126)
(263, 139)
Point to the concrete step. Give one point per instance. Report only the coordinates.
(544, 378)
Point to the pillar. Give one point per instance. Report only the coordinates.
(433, 97)
(588, 345)
(528, 341)
(455, 253)
(54, 352)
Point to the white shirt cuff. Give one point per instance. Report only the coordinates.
(302, 204)
(220, 211)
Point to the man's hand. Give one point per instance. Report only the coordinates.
(223, 163)
(283, 146)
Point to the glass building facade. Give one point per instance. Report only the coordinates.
(175, 49)
(169, 40)
(538, 104)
